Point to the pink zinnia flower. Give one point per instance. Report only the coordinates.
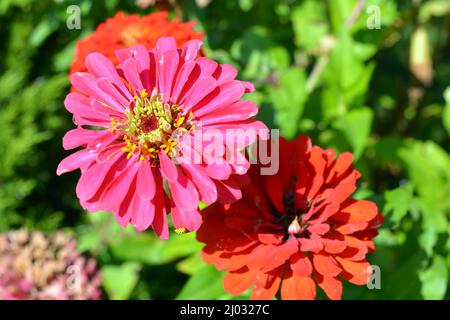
(154, 108)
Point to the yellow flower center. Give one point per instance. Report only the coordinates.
(152, 126)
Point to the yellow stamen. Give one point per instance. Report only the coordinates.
(113, 124)
(130, 147)
(180, 230)
(179, 122)
(144, 94)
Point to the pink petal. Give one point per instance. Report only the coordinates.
(182, 79)
(145, 181)
(225, 73)
(86, 83)
(167, 65)
(168, 168)
(110, 109)
(207, 66)
(106, 153)
(132, 75)
(128, 207)
(139, 53)
(123, 99)
(94, 176)
(225, 95)
(81, 137)
(76, 160)
(240, 110)
(143, 217)
(239, 162)
(165, 44)
(249, 87)
(160, 223)
(184, 193)
(101, 67)
(190, 50)
(145, 62)
(205, 186)
(118, 189)
(201, 88)
(191, 220)
(249, 129)
(79, 105)
(218, 171)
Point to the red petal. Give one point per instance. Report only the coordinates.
(267, 285)
(298, 288)
(355, 272)
(349, 228)
(319, 228)
(326, 265)
(356, 211)
(301, 265)
(333, 246)
(331, 286)
(318, 164)
(340, 166)
(239, 281)
(314, 244)
(269, 257)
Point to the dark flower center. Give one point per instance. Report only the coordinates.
(292, 219)
(149, 123)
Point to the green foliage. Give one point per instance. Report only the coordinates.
(383, 94)
(119, 281)
(434, 279)
(204, 284)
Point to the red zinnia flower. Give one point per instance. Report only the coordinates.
(122, 31)
(294, 230)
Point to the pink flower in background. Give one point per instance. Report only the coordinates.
(38, 266)
(142, 123)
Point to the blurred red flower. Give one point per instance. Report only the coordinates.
(122, 31)
(294, 230)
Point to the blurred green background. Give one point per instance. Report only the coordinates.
(371, 77)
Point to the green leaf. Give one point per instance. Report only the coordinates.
(356, 126)
(289, 101)
(43, 30)
(346, 74)
(398, 201)
(246, 5)
(432, 217)
(340, 11)
(446, 114)
(434, 279)
(88, 240)
(150, 249)
(427, 240)
(111, 4)
(205, 284)
(434, 222)
(432, 8)
(191, 264)
(310, 24)
(119, 281)
(427, 164)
